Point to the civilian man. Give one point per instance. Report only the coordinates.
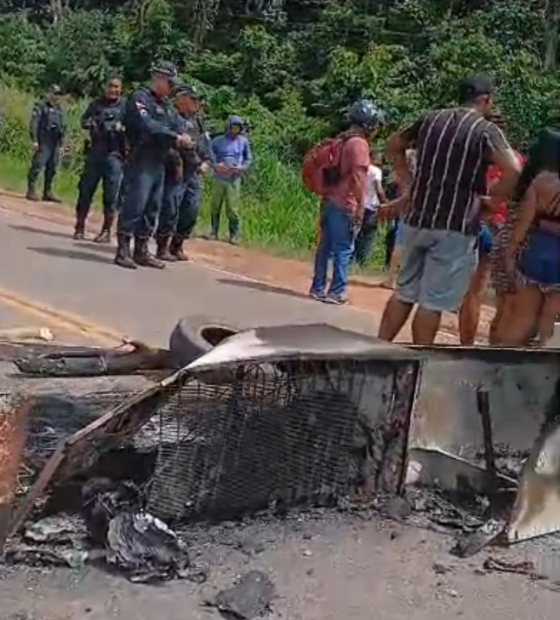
(454, 149)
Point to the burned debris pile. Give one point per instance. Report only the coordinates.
(271, 420)
(259, 435)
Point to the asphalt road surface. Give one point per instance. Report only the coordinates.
(352, 569)
(47, 266)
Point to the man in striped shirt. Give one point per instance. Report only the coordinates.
(454, 149)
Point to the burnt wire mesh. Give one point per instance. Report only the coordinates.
(55, 417)
(304, 434)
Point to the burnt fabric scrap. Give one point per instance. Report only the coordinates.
(250, 597)
(102, 500)
(144, 548)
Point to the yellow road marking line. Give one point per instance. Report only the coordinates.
(62, 320)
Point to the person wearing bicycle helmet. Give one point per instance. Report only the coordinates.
(343, 204)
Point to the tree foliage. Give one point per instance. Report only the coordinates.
(293, 66)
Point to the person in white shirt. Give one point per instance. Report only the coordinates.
(375, 196)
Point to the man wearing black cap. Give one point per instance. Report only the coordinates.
(441, 223)
(181, 197)
(46, 130)
(149, 135)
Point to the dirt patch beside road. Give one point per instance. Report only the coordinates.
(263, 271)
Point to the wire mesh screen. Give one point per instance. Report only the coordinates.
(308, 433)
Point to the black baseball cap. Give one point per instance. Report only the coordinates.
(476, 86)
(166, 69)
(186, 90)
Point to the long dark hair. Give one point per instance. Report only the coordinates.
(543, 154)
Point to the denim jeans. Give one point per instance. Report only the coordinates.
(366, 237)
(142, 202)
(336, 242)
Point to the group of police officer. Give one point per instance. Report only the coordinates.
(149, 157)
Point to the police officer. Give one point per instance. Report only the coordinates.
(182, 194)
(149, 135)
(46, 129)
(105, 152)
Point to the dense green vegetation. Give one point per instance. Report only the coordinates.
(290, 67)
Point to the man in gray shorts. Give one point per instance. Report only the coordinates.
(454, 148)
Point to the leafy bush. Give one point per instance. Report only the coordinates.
(290, 68)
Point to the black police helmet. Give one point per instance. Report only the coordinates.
(365, 114)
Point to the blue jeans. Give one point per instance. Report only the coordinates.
(104, 167)
(143, 198)
(180, 208)
(336, 242)
(366, 237)
(44, 159)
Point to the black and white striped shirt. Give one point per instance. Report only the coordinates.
(453, 152)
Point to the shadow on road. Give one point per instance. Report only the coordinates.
(73, 254)
(41, 231)
(265, 288)
(104, 248)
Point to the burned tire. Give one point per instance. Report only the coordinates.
(194, 336)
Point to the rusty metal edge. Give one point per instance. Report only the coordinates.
(12, 446)
(62, 453)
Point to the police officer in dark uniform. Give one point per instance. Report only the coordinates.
(104, 119)
(149, 132)
(182, 193)
(46, 129)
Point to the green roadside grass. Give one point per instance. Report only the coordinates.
(279, 225)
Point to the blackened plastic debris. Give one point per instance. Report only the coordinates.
(144, 548)
(249, 598)
(102, 500)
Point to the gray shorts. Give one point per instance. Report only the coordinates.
(436, 268)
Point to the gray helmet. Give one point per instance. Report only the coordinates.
(365, 114)
(55, 89)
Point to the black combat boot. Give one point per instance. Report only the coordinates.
(123, 257)
(31, 193)
(163, 252)
(143, 257)
(105, 235)
(79, 233)
(176, 249)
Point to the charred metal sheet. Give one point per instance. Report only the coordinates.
(13, 421)
(537, 506)
(522, 387)
(111, 430)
